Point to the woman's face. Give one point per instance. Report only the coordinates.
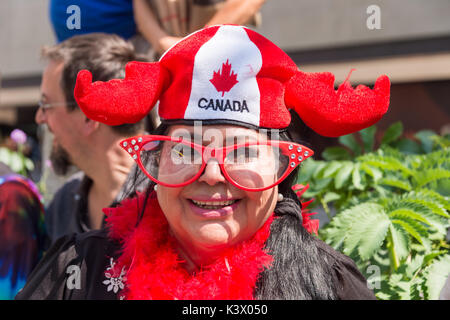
(198, 222)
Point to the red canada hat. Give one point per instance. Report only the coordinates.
(232, 74)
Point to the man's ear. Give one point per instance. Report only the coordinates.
(90, 126)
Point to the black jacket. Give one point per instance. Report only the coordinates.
(74, 268)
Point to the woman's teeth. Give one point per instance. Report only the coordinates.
(213, 204)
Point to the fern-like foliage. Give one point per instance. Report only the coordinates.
(393, 208)
(435, 276)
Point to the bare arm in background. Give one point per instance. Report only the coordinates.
(233, 12)
(236, 12)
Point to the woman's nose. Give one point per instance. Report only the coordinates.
(40, 116)
(212, 173)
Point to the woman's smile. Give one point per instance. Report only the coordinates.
(214, 207)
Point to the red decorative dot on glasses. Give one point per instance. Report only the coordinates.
(251, 166)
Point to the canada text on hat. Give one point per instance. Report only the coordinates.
(232, 74)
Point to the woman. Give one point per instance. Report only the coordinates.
(219, 219)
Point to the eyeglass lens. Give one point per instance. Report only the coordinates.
(251, 166)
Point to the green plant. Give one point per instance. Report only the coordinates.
(393, 207)
(16, 161)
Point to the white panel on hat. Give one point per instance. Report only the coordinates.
(232, 44)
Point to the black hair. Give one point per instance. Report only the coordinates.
(299, 270)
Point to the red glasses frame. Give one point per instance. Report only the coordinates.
(296, 153)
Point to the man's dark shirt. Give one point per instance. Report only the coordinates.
(68, 212)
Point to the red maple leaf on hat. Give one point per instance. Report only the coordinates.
(224, 80)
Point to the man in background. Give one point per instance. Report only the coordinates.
(89, 145)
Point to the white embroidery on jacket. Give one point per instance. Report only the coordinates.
(114, 280)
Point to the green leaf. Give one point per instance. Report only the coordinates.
(367, 233)
(407, 146)
(343, 175)
(383, 295)
(408, 213)
(381, 258)
(372, 171)
(387, 163)
(429, 257)
(414, 265)
(443, 187)
(307, 169)
(412, 227)
(425, 138)
(331, 196)
(416, 292)
(397, 183)
(383, 193)
(430, 195)
(392, 133)
(356, 177)
(437, 224)
(436, 275)
(400, 241)
(424, 177)
(436, 159)
(16, 164)
(321, 184)
(395, 279)
(337, 229)
(29, 165)
(350, 142)
(318, 170)
(331, 169)
(429, 205)
(427, 244)
(336, 153)
(428, 211)
(5, 155)
(442, 142)
(403, 289)
(368, 138)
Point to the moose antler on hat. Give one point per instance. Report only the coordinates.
(120, 101)
(231, 74)
(335, 113)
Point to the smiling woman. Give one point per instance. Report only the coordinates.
(219, 218)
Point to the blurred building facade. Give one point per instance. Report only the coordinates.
(407, 39)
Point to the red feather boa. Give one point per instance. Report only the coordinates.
(154, 267)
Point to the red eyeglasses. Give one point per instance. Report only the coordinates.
(251, 166)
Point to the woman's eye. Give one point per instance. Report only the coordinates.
(185, 153)
(178, 152)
